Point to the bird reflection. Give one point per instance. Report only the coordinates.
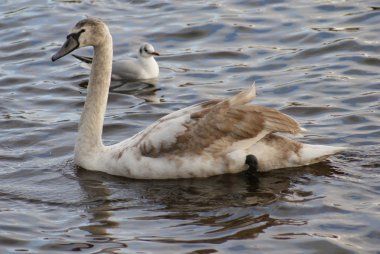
(143, 89)
(230, 206)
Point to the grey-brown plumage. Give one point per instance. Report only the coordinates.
(220, 124)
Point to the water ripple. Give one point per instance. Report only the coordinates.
(314, 61)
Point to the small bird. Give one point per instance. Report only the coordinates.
(144, 67)
(211, 138)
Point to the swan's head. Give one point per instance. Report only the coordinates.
(87, 32)
(147, 50)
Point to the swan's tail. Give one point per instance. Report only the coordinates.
(310, 154)
(273, 152)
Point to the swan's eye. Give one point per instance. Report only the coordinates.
(76, 35)
(79, 33)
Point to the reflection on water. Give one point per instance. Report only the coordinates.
(145, 89)
(317, 62)
(198, 211)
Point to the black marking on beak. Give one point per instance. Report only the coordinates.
(71, 44)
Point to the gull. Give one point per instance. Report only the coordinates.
(144, 67)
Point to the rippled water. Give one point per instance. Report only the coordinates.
(317, 61)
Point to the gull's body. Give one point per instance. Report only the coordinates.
(144, 67)
(207, 139)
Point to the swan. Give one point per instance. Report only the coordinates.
(144, 67)
(211, 138)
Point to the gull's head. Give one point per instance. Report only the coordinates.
(147, 50)
(87, 32)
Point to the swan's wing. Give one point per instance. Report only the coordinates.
(163, 133)
(213, 127)
(225, 128)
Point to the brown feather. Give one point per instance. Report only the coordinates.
(220, 124)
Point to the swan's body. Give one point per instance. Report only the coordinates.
(144, 67)
(207, 139)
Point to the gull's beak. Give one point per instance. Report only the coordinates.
(70, 45)
(154, 53)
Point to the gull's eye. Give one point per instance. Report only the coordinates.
(146, 50)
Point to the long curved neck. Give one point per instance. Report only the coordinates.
(92, 119)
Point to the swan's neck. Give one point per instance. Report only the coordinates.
(89, 139)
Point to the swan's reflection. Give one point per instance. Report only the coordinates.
(218, 209)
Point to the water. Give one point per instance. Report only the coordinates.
(317, 61)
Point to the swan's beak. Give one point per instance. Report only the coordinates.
(70, 45)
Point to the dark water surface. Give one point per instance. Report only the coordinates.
(317, 61)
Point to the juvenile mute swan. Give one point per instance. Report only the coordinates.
(210, 138)
(144, 67)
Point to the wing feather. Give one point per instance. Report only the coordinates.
(214, 127)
